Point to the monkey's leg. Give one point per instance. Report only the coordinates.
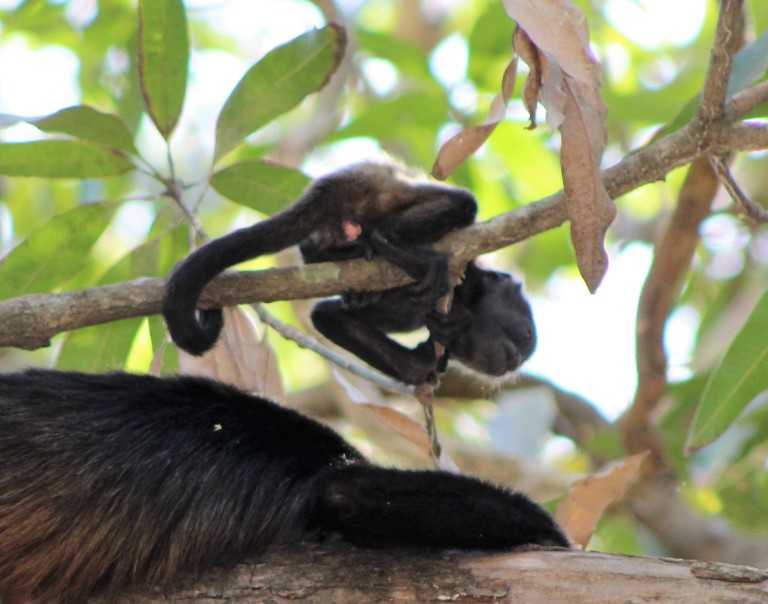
(349, 329)
(381, 507)
(430, 218)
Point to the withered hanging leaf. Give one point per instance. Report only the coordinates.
(459, 147)
(552, 94)
(590, 209)
(580, 511)
(403, 425)
(240, 358)
(558, 28)
(530, 54)
(365, 397)
(565, 79)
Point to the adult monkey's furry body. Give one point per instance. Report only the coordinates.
(109, 481)
(365, 209)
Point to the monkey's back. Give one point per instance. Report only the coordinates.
(117, 479)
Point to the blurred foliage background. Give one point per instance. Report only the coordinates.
(419, 71)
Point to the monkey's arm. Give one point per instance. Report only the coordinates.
(428, 267)
(354, 329)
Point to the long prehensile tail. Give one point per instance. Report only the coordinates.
(197, 334)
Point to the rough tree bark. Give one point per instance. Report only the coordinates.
(339, 574)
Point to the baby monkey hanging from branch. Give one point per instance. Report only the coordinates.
(361, 211)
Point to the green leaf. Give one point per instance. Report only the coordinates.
(141, 261)
(740, 377)
(260, 185)
(163, 60)
(100, 347)
(749, 65)
(159, 337)
(406, 56)
(277, 83)
(103, 347)
(387, 119)
(61, 159)
(174, 240)
(490, 45)
(88, 124)
(54, 253)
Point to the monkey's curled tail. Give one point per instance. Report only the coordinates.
(186, 283)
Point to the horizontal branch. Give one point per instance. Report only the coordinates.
(30, 322)
(343, 574)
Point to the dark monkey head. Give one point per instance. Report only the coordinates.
(501, 335)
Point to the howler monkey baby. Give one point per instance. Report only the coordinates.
(118, 480)
(365, 209)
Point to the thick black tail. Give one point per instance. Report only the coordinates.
(195, 334)
(189, 278)
(374, 506)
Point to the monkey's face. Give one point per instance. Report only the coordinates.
(502, 334)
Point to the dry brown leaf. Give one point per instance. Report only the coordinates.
(403, 425)
(558, 28)
(565, 79)
(460, 146)
(369, 399)
(365, 396)
(532, 88)
(590, 209)
(552, 94)
(588, 498)
(240, 358)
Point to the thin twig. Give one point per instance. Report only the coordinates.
(742, 137)
(745, 101)
(749, 207)
(304, 341)
(425, 393)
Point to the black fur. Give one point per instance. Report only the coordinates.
(489, 327)
(118, 480)
(372, 197)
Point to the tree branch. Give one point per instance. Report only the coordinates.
(671, 260)
(343, 574)
(748, 207)
(728, 37)
(30, 322)
(674, 253)
(745, 101)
